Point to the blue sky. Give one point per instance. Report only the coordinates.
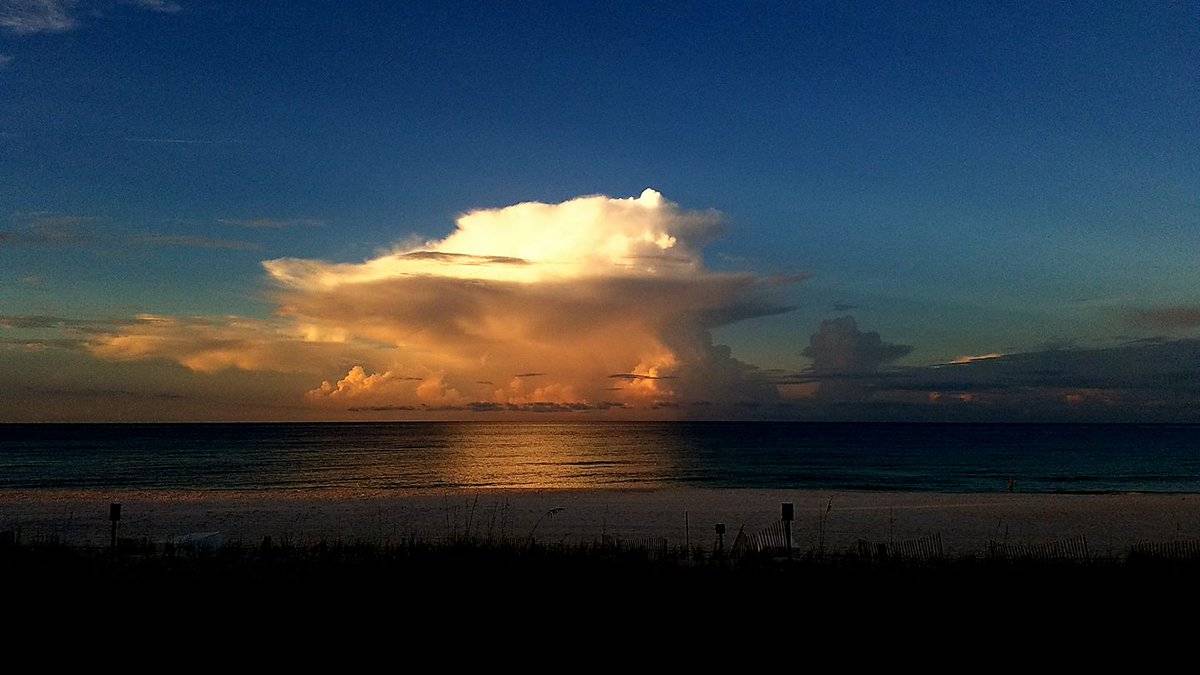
(972, 177)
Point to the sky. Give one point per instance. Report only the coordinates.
(376, 210)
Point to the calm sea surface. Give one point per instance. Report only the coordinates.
(971, 458)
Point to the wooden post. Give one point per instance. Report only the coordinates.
(114, 516)
(687, 532)
(789, 512)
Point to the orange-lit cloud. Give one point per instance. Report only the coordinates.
(568, 295)
(967, 359)
(212, 344)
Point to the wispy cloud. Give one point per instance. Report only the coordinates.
(5, 60)
(30, 17)
(51, 229)
(163, 6)
(34, 17)
(47, 228)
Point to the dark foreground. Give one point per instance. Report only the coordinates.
(589, 573)
(353, 604)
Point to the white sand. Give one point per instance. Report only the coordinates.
(965, 521)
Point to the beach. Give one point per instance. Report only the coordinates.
(832, 520)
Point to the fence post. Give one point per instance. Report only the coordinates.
(788, 514)
(114, 516)
(687, 532)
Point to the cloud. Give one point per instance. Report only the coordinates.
(843, 357)
(33, 17)
(213, 344)
(1178, 317)
(584, 288)
(492, 407)
(1172, 366)
(838, 347)
(635, 376)
(1147, 380)
(30, 17)
(161, 6)
(358, 384)
(5, 60)
(972, 358)
(50, 229)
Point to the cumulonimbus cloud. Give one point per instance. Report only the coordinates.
(575, 291)
(843, 357)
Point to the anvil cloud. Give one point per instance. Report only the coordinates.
(522, 306)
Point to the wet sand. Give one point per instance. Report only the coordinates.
(966, 522)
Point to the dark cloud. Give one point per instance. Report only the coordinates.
(1162, 367)
(1142, 381)
(529, 375)
(838, 347)
(842, 355)
(1179, 317)
(635, 376)
(739, 311)
(463, 258)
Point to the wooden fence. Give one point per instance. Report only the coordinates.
(1074, 548)
(922, 549)
(1166, 550)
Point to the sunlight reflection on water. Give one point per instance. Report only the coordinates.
(603, 455)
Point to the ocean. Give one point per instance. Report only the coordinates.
(901, 457)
